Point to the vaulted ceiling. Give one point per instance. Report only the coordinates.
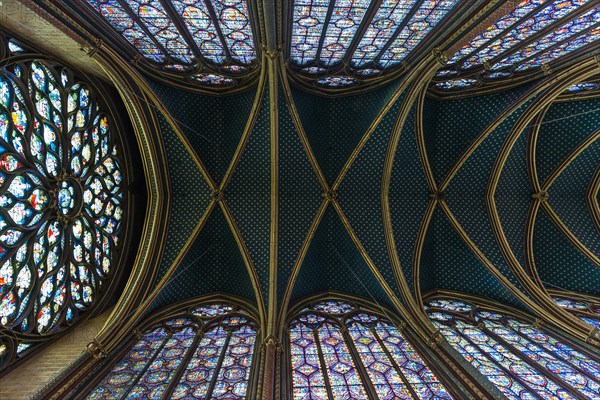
(281, 190)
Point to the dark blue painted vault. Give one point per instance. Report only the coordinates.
(330, 233)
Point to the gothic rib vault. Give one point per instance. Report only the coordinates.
(274, 193)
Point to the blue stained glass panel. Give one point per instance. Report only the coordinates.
(307, 374)
(116, 15)
(412, 366)
(218, 359)
(345, 19)
(389, 16)
(561, 50)
(343, 377)
(156, 19)
(516, 357)
(582, 87)
(235, 25)
(524, 8)
(200, 370)
(553, 12)
(196, 17)
(308, 22)
(385, 378)
(154, 381)
(572, 28)
(334, 307)
(232, 381)
(421, 23)
(116, 384)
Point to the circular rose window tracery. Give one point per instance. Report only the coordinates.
(61, 198)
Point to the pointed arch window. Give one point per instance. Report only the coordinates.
(208, 42)
(63, 200)
(533, 34)
(584, 307)
(352, 40)
(339, 350)
(203, 352)
(521, 360)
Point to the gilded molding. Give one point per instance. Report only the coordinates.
(543, 305)
(256, 285)
(384, 284)
(559, 169)
(592, 198)
(287, 294)
(414, 94)
(254, 112)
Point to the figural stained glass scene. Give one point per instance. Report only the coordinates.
(62, 204)
(300, 199)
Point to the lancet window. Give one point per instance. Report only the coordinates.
(62, 199)
(203, 352)
(532, 35)
(210, 43)
(519, 358)
(338, 43)
(339, 350)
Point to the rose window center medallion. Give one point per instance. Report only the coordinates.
(69, 198)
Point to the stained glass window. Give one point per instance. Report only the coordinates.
(341, 351)
(359, 37)
(62, 201)
(534, 33)
(521, 360)
(586, 308)
(202, 353)
(187, 37)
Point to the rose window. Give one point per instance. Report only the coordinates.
(61, 198)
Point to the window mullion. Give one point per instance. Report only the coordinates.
(213, 381)
(556, 45)
(324, 32)
(181, 28)
(368, 385)
(525, 385)
(549, 29)
(323, 364)
(401, 26)
(394, 363)
(215, 21)
(182, 367)
(529, 361)
(143, 27)
(504, 31)
(558, 355)
(369, 15)
(156, 353)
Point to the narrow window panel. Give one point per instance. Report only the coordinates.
(235, 25)
(201, 369)
(385, 378)
(422, 22)
(345, 20)
(116, 15)
(156, 19)
(572, 28)
(232, 381)
(389, 16)
(197, 19)
(550, 14)
(516, 357)
(308, 381)
(117, 383)
(343, 377)
(308, 22)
